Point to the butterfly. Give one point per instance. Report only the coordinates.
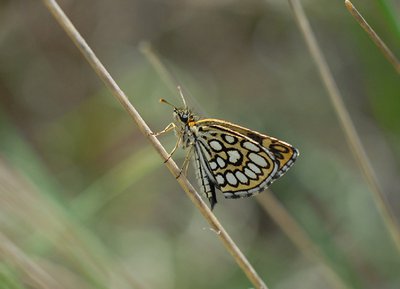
(237, 161)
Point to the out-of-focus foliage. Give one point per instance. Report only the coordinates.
(83, 196)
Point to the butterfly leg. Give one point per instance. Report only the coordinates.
(173, 150)
(168, 128)
(185, 164)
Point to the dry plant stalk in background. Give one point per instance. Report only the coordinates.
(372, 34)
(104, 75)
(346, 123)
(31, 270)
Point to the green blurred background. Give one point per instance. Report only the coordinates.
(85, 202)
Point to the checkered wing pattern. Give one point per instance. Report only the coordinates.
(238, 161)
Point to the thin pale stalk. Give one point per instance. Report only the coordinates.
(165, 74)
(37, 277)
(346, 123)
(372, 34)
(104, 75)
(167, 78)
(298, 236)
(58, 233)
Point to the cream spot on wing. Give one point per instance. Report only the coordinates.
(215, 145)
(228, 195)
(250, 146)
(230, 139)
(221, 162)
(234, 156)
(254, 168)
(213, 165)
(250, 173)
(241, 177)
(231, 179)
(220, 179)
(254, 191)
(258, 160)
(242, 194)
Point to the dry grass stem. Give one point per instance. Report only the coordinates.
(372, 34)
(50, 223)
(298, 236)
(36, 276)
(346, 123)
(121, 97)
(167, 78)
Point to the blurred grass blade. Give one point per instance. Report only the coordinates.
(47, 225)
(346, 123)
(171, 83)
(36, 276)
(299, 237)
(372, 34)
(390, 16)
(120, 178)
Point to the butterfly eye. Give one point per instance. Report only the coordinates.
(183, 117)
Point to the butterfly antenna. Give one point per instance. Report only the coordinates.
(162, 100)
(181, 94)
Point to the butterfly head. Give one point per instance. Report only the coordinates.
(182, 115)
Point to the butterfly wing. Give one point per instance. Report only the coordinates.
(235, 163)
(205, 179)
(285, 154)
